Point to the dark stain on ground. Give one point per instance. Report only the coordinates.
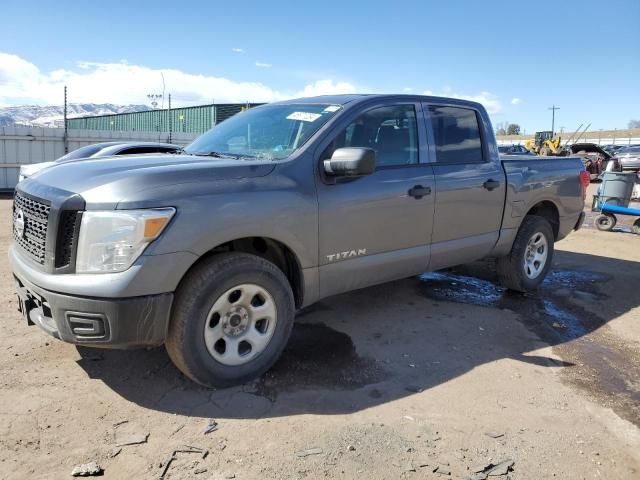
(555, 314)
(319, 356)
(549, 304)
(315, 307)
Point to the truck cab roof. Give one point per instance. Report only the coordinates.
(354, 98)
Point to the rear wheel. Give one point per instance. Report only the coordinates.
(231, 319)
(636, 227)
(529, 261)
(606, 221)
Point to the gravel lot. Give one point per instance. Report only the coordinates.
(445, 372)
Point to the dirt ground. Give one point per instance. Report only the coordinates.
(446, 371)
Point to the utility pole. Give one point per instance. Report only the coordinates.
(553, 118)
(66, 136)
(170, 118)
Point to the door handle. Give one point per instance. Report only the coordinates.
(419, 191)
(491, 184)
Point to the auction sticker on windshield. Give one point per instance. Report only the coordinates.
(304, 116)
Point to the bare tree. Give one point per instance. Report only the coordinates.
(513, 129)
(501, 128)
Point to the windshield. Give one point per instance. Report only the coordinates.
(82, 152)
(271, 132)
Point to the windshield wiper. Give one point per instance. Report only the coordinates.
(214, 154)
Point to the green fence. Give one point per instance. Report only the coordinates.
(187, 119)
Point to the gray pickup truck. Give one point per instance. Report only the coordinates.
(212, 251)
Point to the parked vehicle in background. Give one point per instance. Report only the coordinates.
(513, 150)
(612, 149)
(594, 157)
(213, 250)
(104, 149)
(628, 159)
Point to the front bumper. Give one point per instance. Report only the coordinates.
(100, 322)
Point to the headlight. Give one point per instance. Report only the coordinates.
(111, 241)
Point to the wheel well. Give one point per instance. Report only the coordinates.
(549, 211)
(272, 250)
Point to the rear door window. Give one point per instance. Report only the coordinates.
(456, 133)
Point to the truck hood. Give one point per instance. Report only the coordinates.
(108, 179)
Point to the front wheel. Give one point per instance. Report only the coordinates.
(231, 319)
(636, 227)
(606, 222)
(529, 261)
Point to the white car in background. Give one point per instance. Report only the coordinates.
(104, 149)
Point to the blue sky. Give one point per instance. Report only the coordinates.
(517, 58)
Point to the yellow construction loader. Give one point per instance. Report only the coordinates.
(545, 144)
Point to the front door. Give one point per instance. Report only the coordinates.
(470, 188)
(377, 228)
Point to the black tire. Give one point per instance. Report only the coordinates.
(636, 227)
(605, 222)
(194, 299)
(512, 270)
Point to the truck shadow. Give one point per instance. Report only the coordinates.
(380, 344)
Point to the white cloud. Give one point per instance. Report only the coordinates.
(22, 82)
(263, 65)
(407, 89)
(326, 87)
(238, 50)
(515, 101)
(490, 101)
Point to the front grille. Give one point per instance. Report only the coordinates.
(36, 219)
(67, 229)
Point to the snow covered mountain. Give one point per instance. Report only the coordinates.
(52, 115)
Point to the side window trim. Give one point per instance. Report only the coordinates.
(431, 135)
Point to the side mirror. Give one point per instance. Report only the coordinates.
(351, 162)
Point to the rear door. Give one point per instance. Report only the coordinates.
(376, 228)
(470, 186)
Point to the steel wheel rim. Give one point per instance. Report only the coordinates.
(605, 221)
(535, 255)
(240, 324)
